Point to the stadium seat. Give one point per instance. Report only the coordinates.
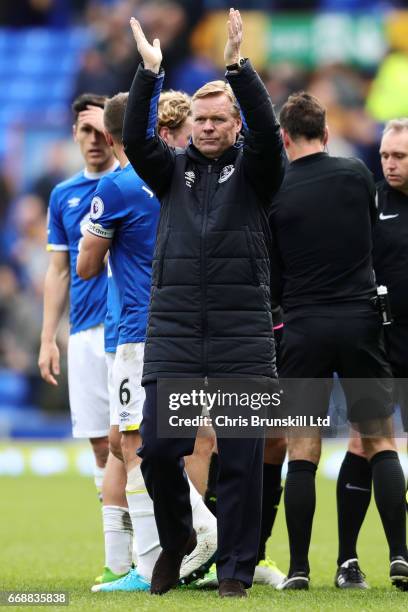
(37, 70)
(14, 388)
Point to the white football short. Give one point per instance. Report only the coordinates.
(88, 383)
(114, 416)
(127, 378)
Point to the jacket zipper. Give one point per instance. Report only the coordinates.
(204, 272)
(205, 391)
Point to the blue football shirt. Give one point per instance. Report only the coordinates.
(125, 210)
(112, 318)
(68, 217)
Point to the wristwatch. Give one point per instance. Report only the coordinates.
(237, 66)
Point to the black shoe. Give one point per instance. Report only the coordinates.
(297, 581)
(399, 573)
(166, 572)
(231, 588)
(350, 576)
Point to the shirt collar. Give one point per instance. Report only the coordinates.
(97, 175)
(306, 159)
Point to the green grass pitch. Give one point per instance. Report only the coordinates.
(51, 540)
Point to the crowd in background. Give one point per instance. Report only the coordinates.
(107, 66)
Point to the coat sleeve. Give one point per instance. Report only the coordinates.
(263, 149)
(152, 159)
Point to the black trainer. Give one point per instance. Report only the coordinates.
(350, 576)
(297, 581)
(399, 573)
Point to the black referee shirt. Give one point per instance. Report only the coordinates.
(391, 247)
(321, 222)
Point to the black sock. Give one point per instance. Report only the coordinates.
(210, 496)
(300, 503)
(353, 499)
(272, 492)
(389, 492)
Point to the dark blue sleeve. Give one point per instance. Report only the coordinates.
(149, 155)
(264, 157)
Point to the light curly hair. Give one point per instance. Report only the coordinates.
(174, 108)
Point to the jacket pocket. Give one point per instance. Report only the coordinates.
(161, 260)
(252, 258)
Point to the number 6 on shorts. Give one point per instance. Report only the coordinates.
(127, 376)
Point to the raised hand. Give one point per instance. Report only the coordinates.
(233, 46)
(151, 54)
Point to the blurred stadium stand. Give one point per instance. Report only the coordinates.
(352, 54)
(19, 418)
(37, 75)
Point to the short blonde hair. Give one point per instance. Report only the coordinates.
(214, 88)
(174, 108)
(398, 125)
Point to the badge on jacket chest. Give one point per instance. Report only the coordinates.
(226, 173)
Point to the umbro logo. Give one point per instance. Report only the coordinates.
(73, 202)
(190, 178)
(124, 414)
(383, 217)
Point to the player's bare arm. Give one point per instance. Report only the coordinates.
(92, 256)
(56, 290)
(151, 54)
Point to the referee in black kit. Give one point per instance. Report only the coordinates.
(391, 250)
(321, 221)
(390, 256)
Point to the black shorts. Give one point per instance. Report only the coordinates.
(396, 344)
(314, 347)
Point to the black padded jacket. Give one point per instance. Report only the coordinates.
(210, 309)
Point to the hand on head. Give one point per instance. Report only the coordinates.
(93, 115)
